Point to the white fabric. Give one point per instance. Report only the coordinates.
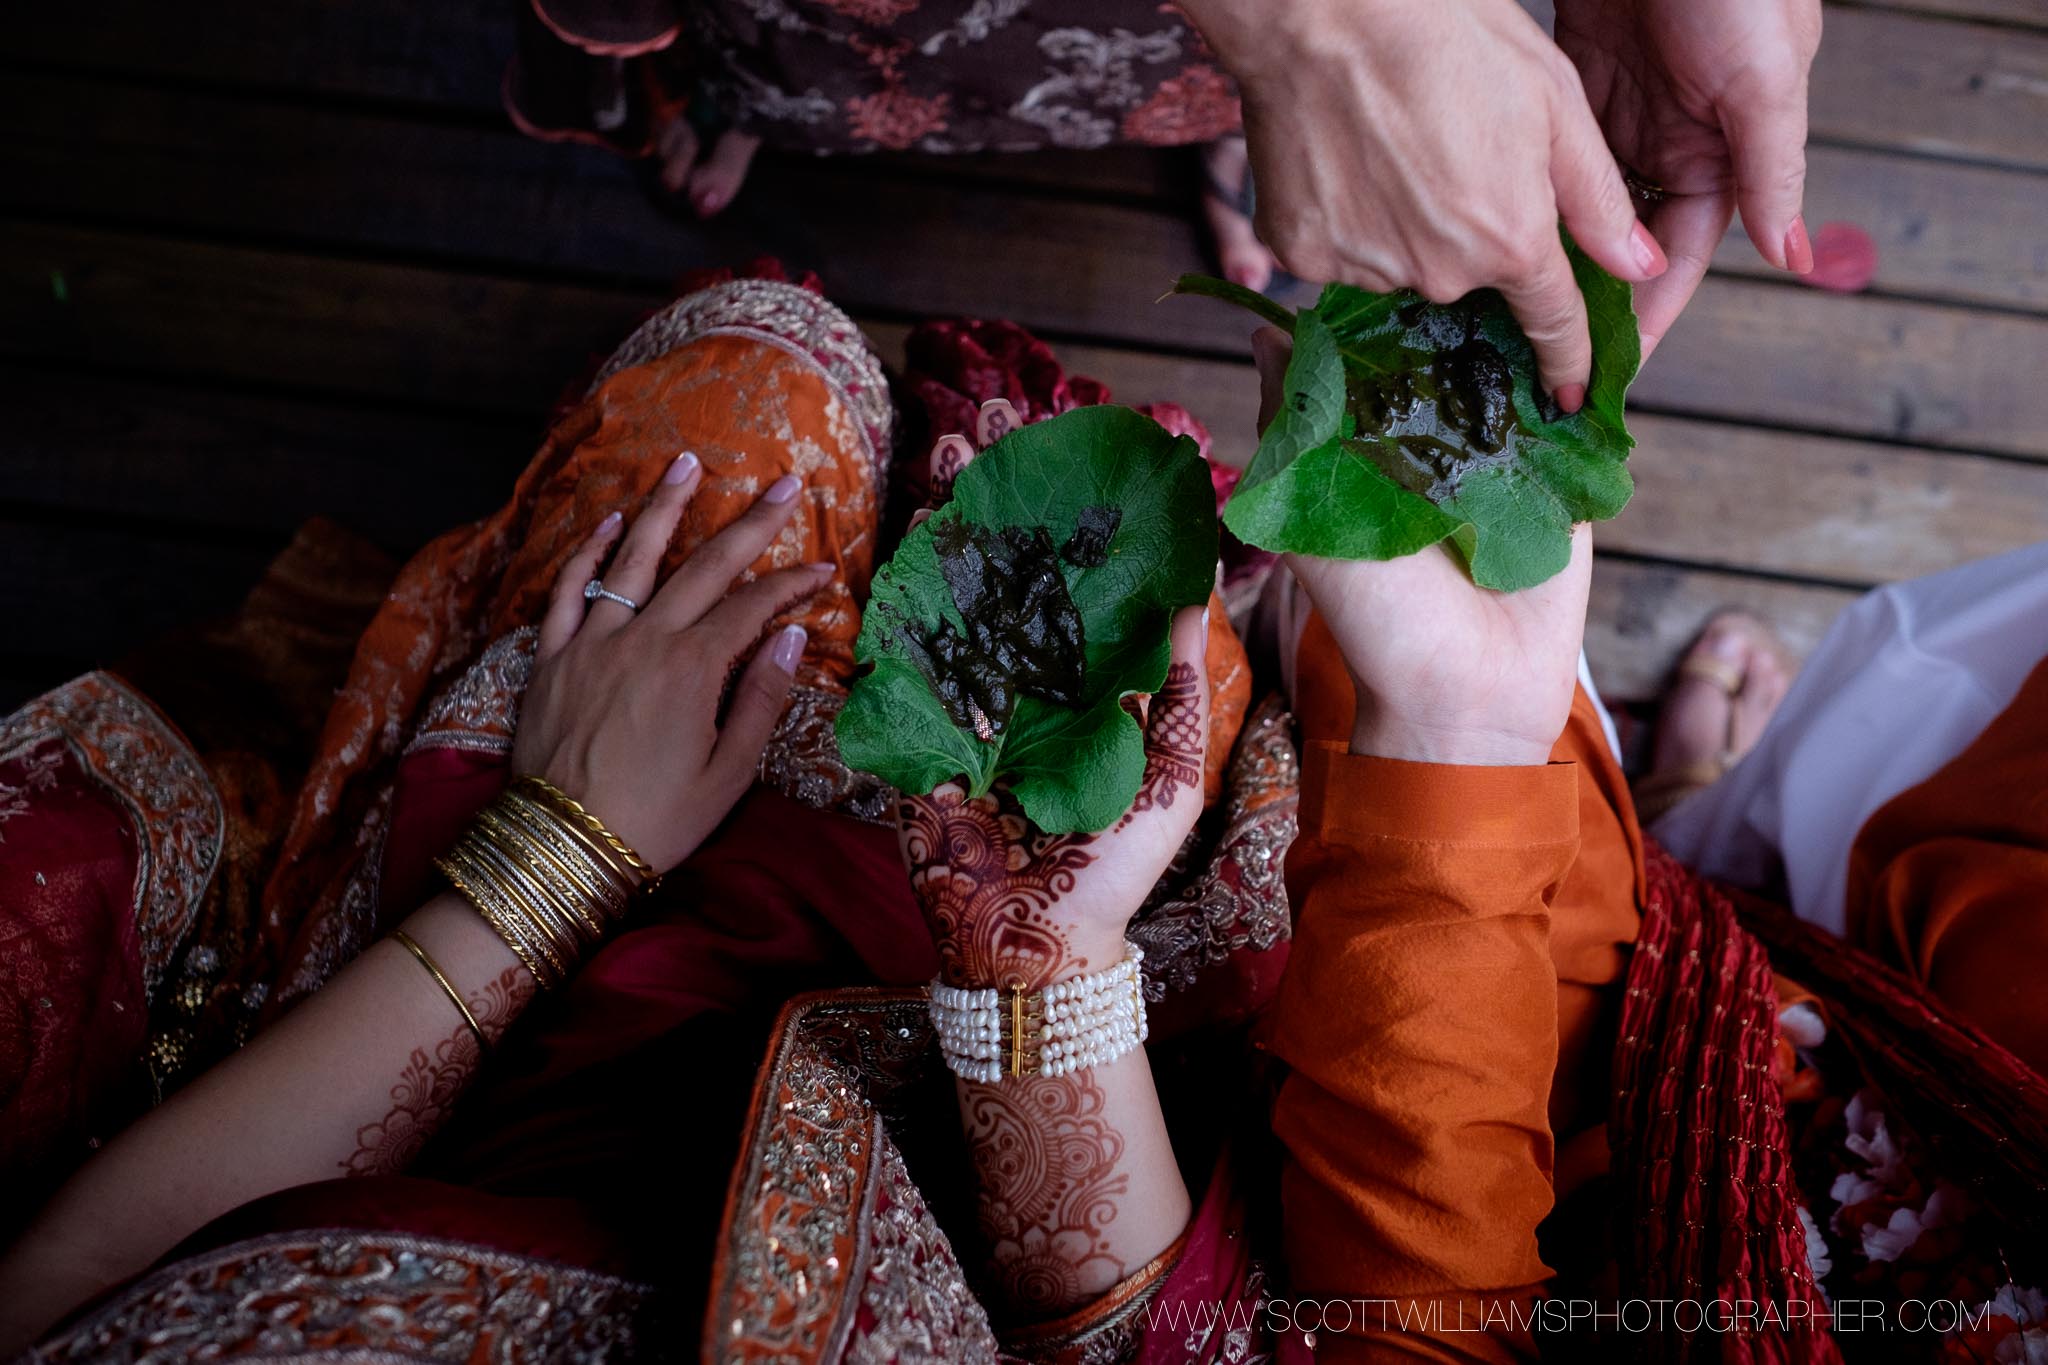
(1906, 678)
(1599, 707)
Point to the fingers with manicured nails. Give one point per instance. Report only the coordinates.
(1690, 226)
(1271, 350)
(1551, 310)
(1592, 197)
(1766, 128)
(706, 575)
(950, 455)
(632, 571)
(757, 702)
(737, 621)
(996, 420)
(566, 606)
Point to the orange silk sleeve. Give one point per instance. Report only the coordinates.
(1419, 1017)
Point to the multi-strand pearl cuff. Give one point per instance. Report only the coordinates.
(1086, 1021)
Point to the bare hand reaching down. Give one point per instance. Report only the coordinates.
(1705, 99)
(1431, 145)
(1434, 145)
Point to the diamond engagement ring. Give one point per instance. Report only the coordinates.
(595, 589)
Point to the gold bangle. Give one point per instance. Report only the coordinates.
(405, 941)
(545, 874)
(522, 891)
(568, 898)
(593, 852)
(596, 826)
(484, 893)
(570, 849)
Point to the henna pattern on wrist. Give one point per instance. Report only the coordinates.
(426, 1091)
(986, 878)
(1045, 1164)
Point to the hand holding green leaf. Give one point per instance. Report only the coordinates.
(1100, 518)
(1407, 424)
(1444, 671)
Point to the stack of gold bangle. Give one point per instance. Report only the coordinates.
(545, 874)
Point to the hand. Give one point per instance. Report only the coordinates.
(1008, 904)
(1445, 671)
(1432, 146)
(1707, 100)
(622, 713)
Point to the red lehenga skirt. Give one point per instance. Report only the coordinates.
(629, 1177)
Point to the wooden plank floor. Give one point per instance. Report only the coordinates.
(294, 262)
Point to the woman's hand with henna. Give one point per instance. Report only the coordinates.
(622, 713)
(1011, 905)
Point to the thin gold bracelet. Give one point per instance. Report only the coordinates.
(535, 811)
(565, 894)
(595, 825)
(405, 941)
(484, 894)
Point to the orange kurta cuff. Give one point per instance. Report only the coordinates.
(1348, 798)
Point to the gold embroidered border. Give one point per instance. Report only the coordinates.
(346, 1294)
(139, 757)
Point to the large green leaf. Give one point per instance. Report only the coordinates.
(1406, 423)
(1071, 767)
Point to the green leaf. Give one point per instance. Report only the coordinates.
(1071, 768)
(1443, 434)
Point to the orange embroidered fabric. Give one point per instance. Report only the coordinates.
(759, 378)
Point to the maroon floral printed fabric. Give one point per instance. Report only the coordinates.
(937, 76)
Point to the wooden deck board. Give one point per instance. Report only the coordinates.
(1641, 617)
(248, 465)
(108, 150)
(1883, 77)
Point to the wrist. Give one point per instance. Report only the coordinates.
(1251, 37)
(979, 960)
(1378, 735)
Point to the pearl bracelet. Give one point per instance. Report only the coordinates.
(1084, 1021)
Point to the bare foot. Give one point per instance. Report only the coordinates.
(711, 180)
(1728, 686)
(1244, 258)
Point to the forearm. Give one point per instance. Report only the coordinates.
(1418, 1017)
(1076, 1182)
(352, 1082)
